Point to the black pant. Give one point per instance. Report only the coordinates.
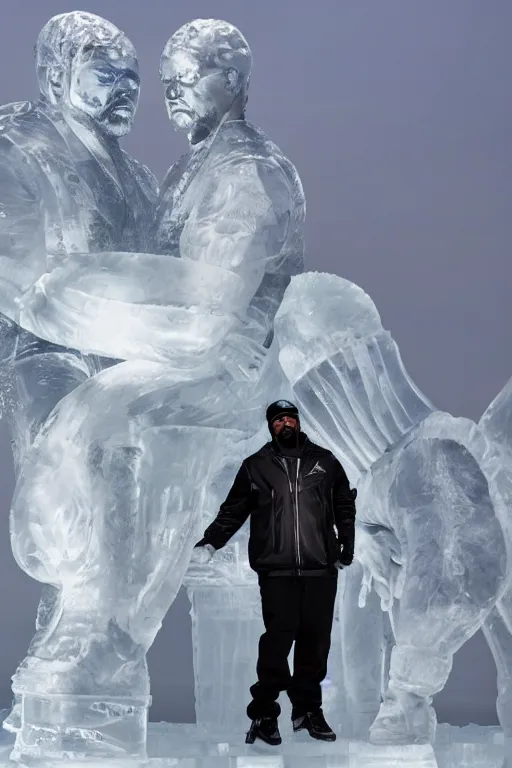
(296, 609)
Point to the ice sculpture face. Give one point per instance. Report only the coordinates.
(88, 66)
(205, 69)
(105, 86)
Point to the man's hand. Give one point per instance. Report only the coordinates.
(347, 554)
(202, 554)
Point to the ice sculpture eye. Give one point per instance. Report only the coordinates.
(188, 78)
(105, 76)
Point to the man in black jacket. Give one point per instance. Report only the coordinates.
(302, 515)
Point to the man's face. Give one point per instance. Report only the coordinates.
(195, 95)
(285, 426)
(104, 84)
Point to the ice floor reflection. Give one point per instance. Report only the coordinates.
(186, 746)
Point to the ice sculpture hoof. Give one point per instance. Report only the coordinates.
(395, 725)
(67, 727)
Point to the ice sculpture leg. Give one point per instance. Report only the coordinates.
(455, 568)
(363, 650)
(123, 522)
(497, 630)
(43, 374)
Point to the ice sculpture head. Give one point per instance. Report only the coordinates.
(345, 369)
(205, 68)
(319, 315)
(87, 66)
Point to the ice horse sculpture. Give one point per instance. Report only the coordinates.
(434, 531)
(141, 378)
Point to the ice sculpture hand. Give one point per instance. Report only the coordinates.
(202, 555)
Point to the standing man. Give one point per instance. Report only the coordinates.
(302, 517)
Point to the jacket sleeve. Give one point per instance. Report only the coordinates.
(233, 512)
(344, 507)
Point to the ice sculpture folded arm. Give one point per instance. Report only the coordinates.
(233, 512)
(167, 308)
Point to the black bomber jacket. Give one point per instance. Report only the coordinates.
(302, 511)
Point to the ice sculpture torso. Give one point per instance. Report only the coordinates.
(95, 197)
(236, 202)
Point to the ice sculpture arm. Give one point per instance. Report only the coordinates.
(22, 237)
(344, 508)
(233, 512)
(240, 224)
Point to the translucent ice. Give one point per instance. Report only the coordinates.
(235, 203)
(434, 534)
(124, 446)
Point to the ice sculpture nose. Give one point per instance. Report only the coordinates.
(173, 91)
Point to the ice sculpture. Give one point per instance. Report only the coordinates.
(434, 526)
(66, 187)
(116, 475)
(235, 203)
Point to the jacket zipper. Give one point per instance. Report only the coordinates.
(295, 504)
(297, 536)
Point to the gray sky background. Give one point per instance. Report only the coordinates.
(397, 114)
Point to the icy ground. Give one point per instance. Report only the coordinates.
(183, 746)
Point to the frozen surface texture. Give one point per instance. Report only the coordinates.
(434, 525)
(186, 746)
(137, 333)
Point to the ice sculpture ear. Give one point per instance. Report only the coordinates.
(233, 79)
(55, 79)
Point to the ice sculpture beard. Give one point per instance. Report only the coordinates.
(104, 86)
(199, 96)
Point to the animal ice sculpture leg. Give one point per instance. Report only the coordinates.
(455, 566)
(497, 630)
(362, 646)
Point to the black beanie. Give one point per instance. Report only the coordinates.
(281, 408)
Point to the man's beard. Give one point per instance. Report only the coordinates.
(116, 124)
(288, 437)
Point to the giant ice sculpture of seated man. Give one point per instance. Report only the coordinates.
(433, 536)
(115, 487)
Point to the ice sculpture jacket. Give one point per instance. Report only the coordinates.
(302, 511)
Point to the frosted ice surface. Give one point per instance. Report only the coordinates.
(182, 746)
(433, 538)
(143, 361)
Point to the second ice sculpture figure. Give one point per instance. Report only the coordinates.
(434, 529)
(233, 202)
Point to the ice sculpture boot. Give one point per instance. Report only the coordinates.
(315, 724)
(404, 718)
(265, 729)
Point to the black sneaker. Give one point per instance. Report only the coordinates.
(314, 723)
(265, 729)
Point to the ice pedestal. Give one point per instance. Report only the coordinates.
(226, 628)
(73, 727)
